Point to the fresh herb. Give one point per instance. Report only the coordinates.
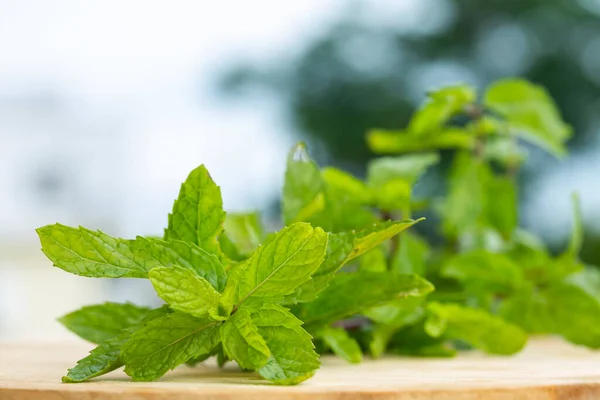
(343, 275)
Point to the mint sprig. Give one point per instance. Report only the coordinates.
(344, 275)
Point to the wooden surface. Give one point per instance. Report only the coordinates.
(547, 369)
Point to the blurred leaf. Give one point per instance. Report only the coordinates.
(530, 113)
(407, 168)
(501, 204)
(350, 293)
(390, 142)
(412, 254)
(505, 151)
(373, 260)
(464, 207)
(398, 313)
(483, 331)
(244, 230)
(414, 341)
(576, 240)
(302, 188)
(483, 272)
(440, 106)
(342, 182)
(342, 345)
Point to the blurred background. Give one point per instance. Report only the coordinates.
(105, 106)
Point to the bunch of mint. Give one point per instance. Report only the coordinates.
(343, 276)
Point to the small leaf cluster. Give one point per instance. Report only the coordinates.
(345, 275)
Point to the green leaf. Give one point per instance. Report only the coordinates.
(293, 358)
(344, 346)
(198, 214)
(529, 309)
(375, 234)
(391, 179)
(106, 357)
(380, 337)
(412, 340)
(575, 308)
(440, 106)
(341, 211)
(102, 360)
(576, 241)
(464, 207)
(102, 322)
(351, 293)
(373, 260)
(303, 187)
(245, 231)
(501, 205)
(412, 255)
(481, 330)
(530, 113)
(343, 182)
(280, 266)
(505, 151)
(243, 343)
(343, 247)
(83, 252)
(185, 291)
(480, 271)
(397, 313)
(167, 342)
(407, 168)
(391, 142)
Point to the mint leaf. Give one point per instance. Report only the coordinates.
(478, 328)
(185, 291)
(342, 345)
(373, 260)
(286, 261)
(529, 309)
(380, 337)
(530, 113)
(243, 343)
(83, 252)
(245, 231)
(481, 271)
(197, 215)
(576, 241)
(351, 293)
(102, 360)
(398, 312)
(343, 247)
(293, 358)
(167, 342)
(464, 207)
(375, 234)
(412, 340)
(440, 106)
(575, 308)
(102, 322)
(389, 142)
(303, 187)
(412, 255)
(106, 357)
(407, 168)
(501, 205)
(342, 182)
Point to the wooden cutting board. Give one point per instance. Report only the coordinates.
(547, 369)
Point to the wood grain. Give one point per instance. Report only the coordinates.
(547, 369)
